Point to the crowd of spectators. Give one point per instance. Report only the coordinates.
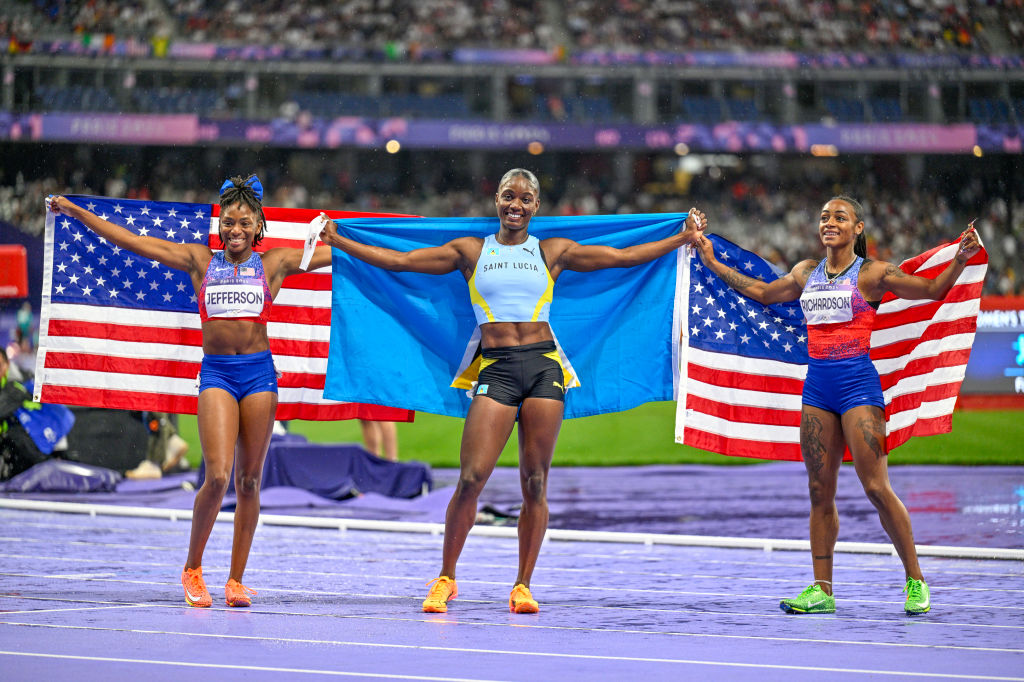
(798, 25)
(769, 208)
(671, 25)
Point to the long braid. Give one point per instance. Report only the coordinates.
(242, 192)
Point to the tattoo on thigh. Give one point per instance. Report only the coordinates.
(873, 434)
(812, 442)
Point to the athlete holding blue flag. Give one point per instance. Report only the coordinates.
(522, 376)
(237, 379)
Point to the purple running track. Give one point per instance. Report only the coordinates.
(96, 598)
(964, 506)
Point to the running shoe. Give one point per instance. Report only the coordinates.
(196, 593)
(918, 597)
(521, 601)
(237, 594)
(811, 600)
(442, 589)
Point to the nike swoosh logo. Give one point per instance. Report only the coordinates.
(812, 605)
(191, 597)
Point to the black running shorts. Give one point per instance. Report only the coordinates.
(512, 374)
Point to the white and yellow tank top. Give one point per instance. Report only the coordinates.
(511, 283)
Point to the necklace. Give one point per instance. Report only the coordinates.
(832, 278)
(229, 260)
(504, 244)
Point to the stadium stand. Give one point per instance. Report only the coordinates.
(585, 63)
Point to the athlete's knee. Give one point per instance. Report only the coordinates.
(878, 492)
(822, 492)
(247, 484)
(216, 481)
(470, 483)
(535, 485)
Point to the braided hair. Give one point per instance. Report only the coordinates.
(246, 192)
(860, 247)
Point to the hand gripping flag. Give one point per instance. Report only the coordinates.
(742, 364)
(121, 331)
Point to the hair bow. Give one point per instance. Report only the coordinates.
(253, 182)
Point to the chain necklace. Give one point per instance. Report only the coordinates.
(832, 278)
(232, 262)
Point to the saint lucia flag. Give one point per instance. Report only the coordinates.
(399, 339)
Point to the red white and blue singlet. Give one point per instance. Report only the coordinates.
(838, 317)
(840, 374)
(236, 292)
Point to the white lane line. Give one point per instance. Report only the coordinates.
(255, 668)
(598, 570)
(506, 652)
(552, 588)
(72, 576)
(553, 534)
(454, 620)
(77, 609)
(550, 553)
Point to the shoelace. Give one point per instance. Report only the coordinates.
(810, 589)
(437, 584)
(245, 590)
(914, 589)
(521, 592)
(195, 580)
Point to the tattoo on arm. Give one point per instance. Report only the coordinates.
(812, 444)
(737, 280)
(893, 271)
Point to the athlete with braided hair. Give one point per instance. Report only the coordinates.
(843, 404)
(237, 380)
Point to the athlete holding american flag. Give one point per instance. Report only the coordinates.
(238, 390)
(842, 402)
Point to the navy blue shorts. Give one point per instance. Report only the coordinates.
(840, 385)
(512, 374)
(239, 375)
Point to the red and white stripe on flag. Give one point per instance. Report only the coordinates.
(738, 404)
(103, 343)
(921, 348)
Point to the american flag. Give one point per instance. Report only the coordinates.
(121, 331)
(742, 364)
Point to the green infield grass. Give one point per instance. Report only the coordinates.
(645, 436)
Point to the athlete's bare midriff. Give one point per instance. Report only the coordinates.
(234, 337)
(505, 334)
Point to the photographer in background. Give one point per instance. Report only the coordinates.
(18, 451)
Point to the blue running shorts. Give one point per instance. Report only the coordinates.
(239, 375)
(840, 385)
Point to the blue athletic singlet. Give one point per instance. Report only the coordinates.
(511, 283)
(236, 292)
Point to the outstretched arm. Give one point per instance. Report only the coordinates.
(177, 256)
(434, 260)
(570, 255)
(280, 262)
(891, 278)
(786, 288)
